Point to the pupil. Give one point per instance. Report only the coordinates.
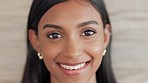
(88, 33)
(55, 35)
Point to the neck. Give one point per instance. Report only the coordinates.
(91, 80)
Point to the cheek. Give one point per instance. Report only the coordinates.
(95, 47)
(96, 57)
(50, 50)
(95, 51)
(50, 53)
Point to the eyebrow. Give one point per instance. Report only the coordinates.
(79, 25)
(88, 23)
(52, 26)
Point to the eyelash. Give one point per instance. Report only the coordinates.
(56, 35)
(88, 32)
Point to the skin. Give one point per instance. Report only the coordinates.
(72, 44)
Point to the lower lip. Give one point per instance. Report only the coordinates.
(74, 72)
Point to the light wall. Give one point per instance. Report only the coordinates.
(129, 20)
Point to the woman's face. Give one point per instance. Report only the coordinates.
(72, 39)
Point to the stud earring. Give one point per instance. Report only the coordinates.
(104, 52)
(40, 56)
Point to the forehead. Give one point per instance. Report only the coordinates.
(71, 11)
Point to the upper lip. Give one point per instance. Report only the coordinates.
(71, 64)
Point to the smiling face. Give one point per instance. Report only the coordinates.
(72, 39)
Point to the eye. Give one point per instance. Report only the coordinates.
(88, 33)
(54, 35)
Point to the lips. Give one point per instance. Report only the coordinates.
(73, 69)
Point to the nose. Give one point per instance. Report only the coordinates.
(73, 49)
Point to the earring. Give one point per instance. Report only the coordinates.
(40, 56)
(104, 52)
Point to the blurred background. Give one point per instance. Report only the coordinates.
(129, 20)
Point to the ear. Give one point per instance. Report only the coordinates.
(107, 33)
(33, 38)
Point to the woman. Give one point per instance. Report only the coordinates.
(68, 41)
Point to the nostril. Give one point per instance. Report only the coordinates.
(73, 54)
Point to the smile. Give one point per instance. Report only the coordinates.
(76, 67)
(73, 69)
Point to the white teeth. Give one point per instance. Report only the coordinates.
(73, 67)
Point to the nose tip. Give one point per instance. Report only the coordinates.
(73, 54)
(73, 50)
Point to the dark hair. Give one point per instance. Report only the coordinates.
(35, 70)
